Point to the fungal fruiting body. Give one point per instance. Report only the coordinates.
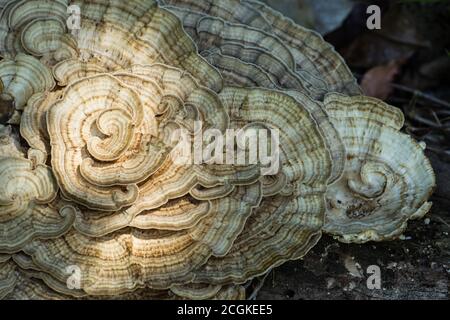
(94, 202)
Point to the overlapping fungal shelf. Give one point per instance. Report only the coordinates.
(93, 204)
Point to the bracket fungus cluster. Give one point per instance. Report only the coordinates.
(93, 202)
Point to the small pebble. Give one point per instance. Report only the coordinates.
(427, 221)
(330, 283)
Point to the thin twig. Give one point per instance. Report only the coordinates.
(442, 220)
(421, 94)
(415, 92)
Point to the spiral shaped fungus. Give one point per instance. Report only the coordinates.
(127, 168)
